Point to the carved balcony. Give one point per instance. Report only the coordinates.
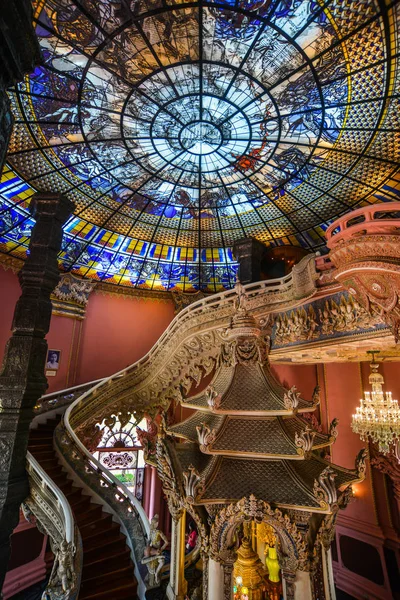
(365, 249)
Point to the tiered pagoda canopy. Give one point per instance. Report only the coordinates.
(249, 435)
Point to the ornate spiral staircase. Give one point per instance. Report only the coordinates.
(102, 525)
(89, 504)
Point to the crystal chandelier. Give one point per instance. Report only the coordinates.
(378, 416)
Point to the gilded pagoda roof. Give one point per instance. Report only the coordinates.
(281, 482)
(247, 388)
(250, 436)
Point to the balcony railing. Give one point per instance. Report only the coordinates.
(371, 219)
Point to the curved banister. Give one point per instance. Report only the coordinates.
(34, 469)
(364, 219)
(202, 306)
(263, 297)
(95, 465)
(61, 398)
(54, 517)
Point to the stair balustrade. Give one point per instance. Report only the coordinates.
(54, 517)
(154, 376)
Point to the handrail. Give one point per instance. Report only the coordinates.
(203, 305)
(210, 302)
(54, 516)
(368, 212)
(34, 468)
(56, 400)
(109, 491)
(70, 389)
(213, 312)
(92, 465)
(95, 465)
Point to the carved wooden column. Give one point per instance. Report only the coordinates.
(228, 580)
(327, 569)
(302, 586)
(288, 578)
(215, 580)
(177, 586)
(19, 53)
(249, 254)
(22, 380)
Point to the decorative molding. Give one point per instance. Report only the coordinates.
(333, 429)
(108, 289)
(182, 300)
(206, 436)
(148, 439)
(389, 465)
(194, 484)
(325, 489)
(70, 297)
(305, 440)
(168, 478)
(293, 549)
(341, 314)
(368, 264)
(326, 532)
(361, 463)
(54, 518)
(291, 399)
(213, 398)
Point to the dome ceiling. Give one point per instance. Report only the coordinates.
(178, 128)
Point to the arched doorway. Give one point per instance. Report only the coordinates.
(291, 548)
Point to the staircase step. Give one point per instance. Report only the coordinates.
(92, 514)
(81, 505)
(55, 471)
(49, 426)
(49, 463)
(123, 591)
(73, 494)
(94, 537)
(38, 445)
(108, 572)
(67, 486)
(59, 479)
(108, 548)
(101, 526)
(38, 434)
(107, 564)
(99, 580)
(42, 454)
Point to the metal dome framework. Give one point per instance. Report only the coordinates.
(178, 128)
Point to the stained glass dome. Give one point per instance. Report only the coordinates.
(180, 127)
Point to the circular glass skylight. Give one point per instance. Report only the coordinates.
(179, 128)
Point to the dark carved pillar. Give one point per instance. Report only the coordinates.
(22, 379)
(19, 53)
(249, 254)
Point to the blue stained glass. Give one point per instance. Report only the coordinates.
(178, 129)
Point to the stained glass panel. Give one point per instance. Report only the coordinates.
(178, 128)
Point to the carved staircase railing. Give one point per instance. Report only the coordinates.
(58, 401)
(74, 402)
(108, 491)
(54, 518)
(187, 349)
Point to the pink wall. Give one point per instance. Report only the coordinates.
(369, 517)
(9, 294)
(27, 564)
(117, 331)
